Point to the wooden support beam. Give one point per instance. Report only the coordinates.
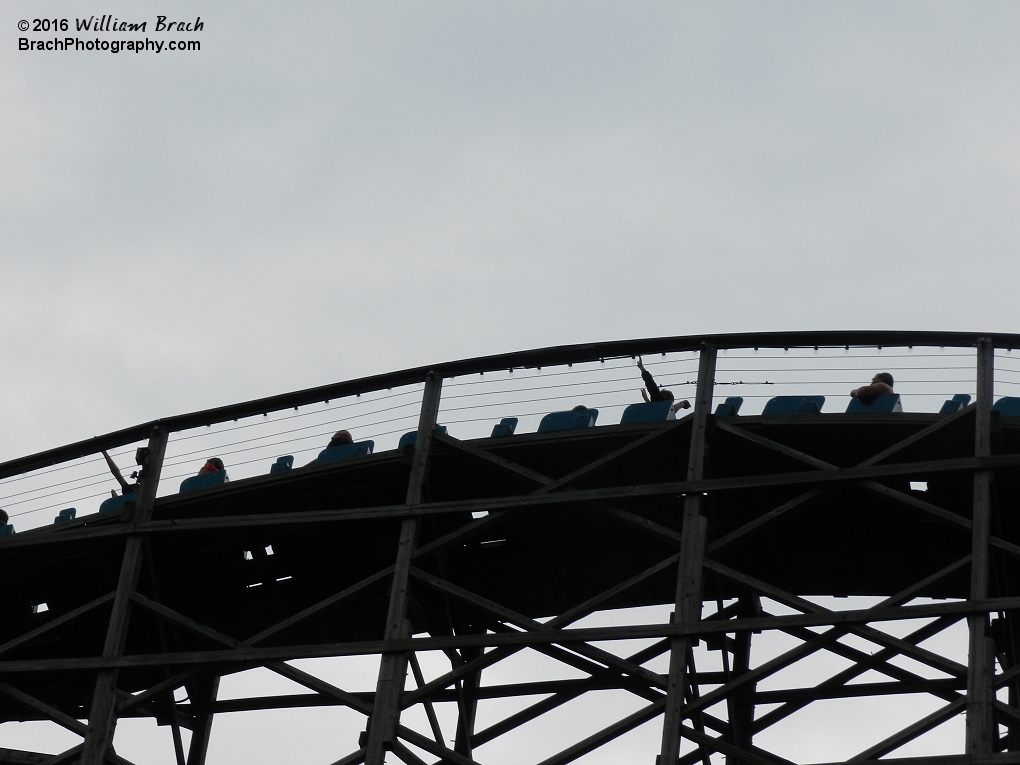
(53, 624)
(393, 665)
(524, 502)
(922, 655)
(843, 691)
(505, 614)
(614, 455)
(567, 617)
(607, 734)
(49, 712)
(103, 710)
(203, 699)
(911, 732)
(430, 712)
(687, 607)
(258, 656)
(981, 733)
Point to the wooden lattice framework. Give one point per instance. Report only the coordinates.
(699, 509)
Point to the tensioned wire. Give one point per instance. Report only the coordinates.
(601, 368)
(316, 448)
(300, 451)
(495, 393)
(451, 409)
(72, 464)
(494, 404)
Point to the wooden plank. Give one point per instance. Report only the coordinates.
(430, 711)
(938, 512)
(406, 755)
(103, 710)
(53, 624)
(844, 691)
(614, 455)
(753, 756)
(687, 603)
(185, 621)
(875, 636)
(495, 656)
(492, 459)
(348, 699)
(607, 734)
(508, 615)
(201, 729)
(253, 656)
(911, 732)
(921, 435)
(393, 665)
(773, 446)
(765, 519)
(446, 755)
(51, 713)
(864, 662)
(981, 732)
(1003, 758)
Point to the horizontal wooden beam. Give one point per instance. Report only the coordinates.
(559, 637)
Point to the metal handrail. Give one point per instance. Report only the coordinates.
(540, 357)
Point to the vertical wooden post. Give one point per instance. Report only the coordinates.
(467, 704)
(981, 658)
(692, 555)
(103, 712)
(393, 665)
(740, 702)
(202, 693)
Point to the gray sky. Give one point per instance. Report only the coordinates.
(328, 190)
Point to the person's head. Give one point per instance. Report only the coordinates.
(883, 377)
(667, 395)
(342, 437)
(579, 408)
(216, 462)
(3, 518)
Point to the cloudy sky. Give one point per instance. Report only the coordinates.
(328, 190)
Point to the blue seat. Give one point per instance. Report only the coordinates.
(6, 531)
(282, 464)
(884, 404)
(794, 405)
(409, 438)
(955, 404)
(585, 418)
(203, 481)
(344, 452)
(1009, 406)
(65, 515)
(652, 411)
(116, 503)
(731, 406)
(504, 427)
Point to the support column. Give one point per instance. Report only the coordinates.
(980, 664)
(740, 702)
(692, 555)
(203, 694)
(103, 712)
(393, 665)
(467, 704)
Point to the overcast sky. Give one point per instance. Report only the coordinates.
(329, 190)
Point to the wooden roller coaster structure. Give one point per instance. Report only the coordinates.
(483, 548)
